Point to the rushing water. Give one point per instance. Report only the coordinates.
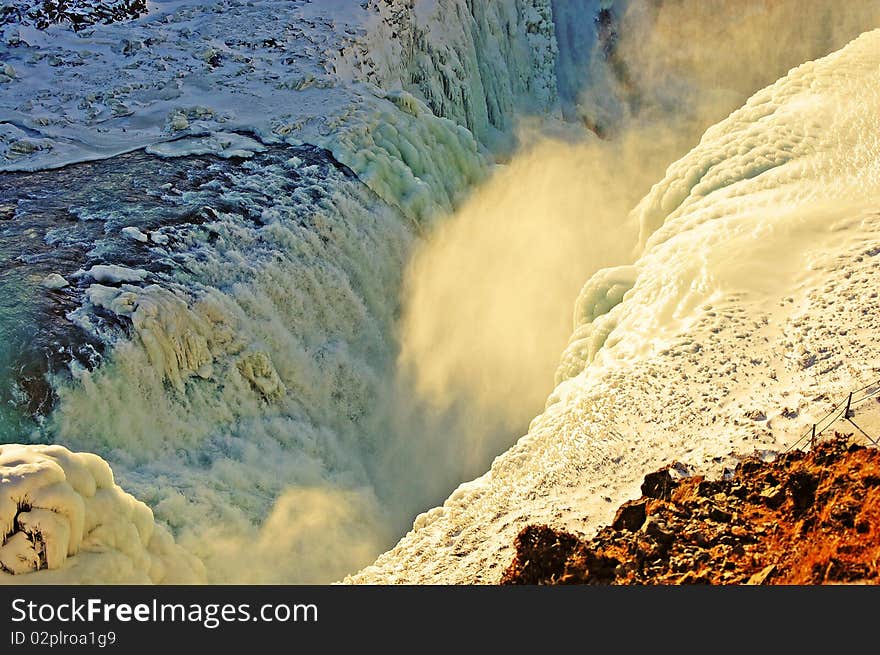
(242, 351)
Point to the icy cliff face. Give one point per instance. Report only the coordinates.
(752, 303)
(472, 62)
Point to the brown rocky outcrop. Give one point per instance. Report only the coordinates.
(803, 518)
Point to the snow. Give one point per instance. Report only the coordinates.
(131, 232)
(248, 389)
(194, 77)
(54, 281)
(217, 143)
(113, 273)
(64, 520)
(753, 292)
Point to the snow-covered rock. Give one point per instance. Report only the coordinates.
(133, 233)
(63, 519)
(76, 13)
(113, 273)
(54, 281)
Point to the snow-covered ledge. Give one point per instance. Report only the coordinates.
(64, 520)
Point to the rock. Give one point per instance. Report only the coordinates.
(692, 577)
(178, 122)
(659, 531)
(23, 147)
(719, 515)
(756, 415)
(773, 496)
(54, 281)
(802, 488)
(760, 577)
(132, 232)
(631, 515)
(823, 535)
(658, 485)
(739, 491)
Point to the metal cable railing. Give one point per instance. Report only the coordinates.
(844, 410)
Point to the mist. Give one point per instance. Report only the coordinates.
(487, 299)
(488, 296)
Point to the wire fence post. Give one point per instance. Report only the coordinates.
(848, 403)
(813, 437)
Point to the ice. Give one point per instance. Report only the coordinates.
(217, 143)
(54, 281)
(335, 74)
(134, 234)
(62, 514)
(247, 388)
(113, 274)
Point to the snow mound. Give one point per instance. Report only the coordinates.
(63, 519)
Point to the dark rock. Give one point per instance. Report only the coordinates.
(801, 486)
(658, 484)
(659, 531)
(749, 465)
(631, 515)
(719, 515)
(541, 555)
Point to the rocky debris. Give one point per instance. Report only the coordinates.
(804, 518)
(76, 13)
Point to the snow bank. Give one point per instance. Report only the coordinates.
(751, 305)
(64, 520)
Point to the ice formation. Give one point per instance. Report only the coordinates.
(63, 520)
(265, 327)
